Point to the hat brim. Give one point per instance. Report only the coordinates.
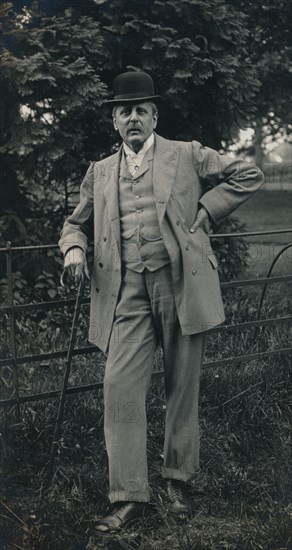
(124, 101)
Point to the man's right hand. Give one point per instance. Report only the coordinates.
(75, 264)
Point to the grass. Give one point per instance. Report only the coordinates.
(241, 499)
(268, 210)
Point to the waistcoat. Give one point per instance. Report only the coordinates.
(141, 242)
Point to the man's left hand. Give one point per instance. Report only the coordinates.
(202, 220)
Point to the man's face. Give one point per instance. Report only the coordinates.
(135, 123)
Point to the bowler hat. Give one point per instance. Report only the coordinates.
(131, 87)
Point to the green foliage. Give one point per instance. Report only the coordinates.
(232, 253)
(57, 70)
(196, 52)
(269, 50)
(57, 94)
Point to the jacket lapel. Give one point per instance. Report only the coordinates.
(145, 164)
(166, 157)
(111, 192)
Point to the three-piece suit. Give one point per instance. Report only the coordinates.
(153, 280)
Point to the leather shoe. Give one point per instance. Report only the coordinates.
(179, 504)
(122, 514)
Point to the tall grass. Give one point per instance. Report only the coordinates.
(241, 497)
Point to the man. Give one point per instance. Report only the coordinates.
(154, 279)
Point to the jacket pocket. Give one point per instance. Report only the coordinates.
(213, 260)
(203, 232)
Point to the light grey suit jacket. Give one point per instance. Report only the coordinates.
(181, 173)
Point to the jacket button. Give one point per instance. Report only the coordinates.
(97, 289)
(177, 222)
(187, 247)
(104, 239)
(100, 264)
(194, 272)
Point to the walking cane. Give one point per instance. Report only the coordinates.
(69, 356)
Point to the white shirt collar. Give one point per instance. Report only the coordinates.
(140, 155)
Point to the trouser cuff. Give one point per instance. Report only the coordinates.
(123, 496)
(172, 473)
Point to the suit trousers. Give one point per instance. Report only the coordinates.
(146, 314)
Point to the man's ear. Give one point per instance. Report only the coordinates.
(115, 123)
(155, 120)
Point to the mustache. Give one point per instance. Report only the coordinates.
(134, 127)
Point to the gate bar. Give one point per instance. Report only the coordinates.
(12, 325)
(99, 385)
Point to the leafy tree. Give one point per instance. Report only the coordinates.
(269, 50)
(59, 66)
(196, 52)
(56, 94)
(10, 194)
